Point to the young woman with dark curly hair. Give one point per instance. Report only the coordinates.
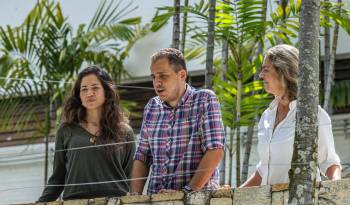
(94, 144)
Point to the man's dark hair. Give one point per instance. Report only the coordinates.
(174, 56)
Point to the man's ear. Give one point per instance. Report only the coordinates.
(183, 74)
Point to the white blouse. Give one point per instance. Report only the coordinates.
(275, 147)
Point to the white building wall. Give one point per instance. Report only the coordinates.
(22, 172)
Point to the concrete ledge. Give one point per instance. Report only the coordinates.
(328, 192)
(223, 193)
(176, 196)
(54, 203)
(168, 203)
(77, 202)
(279, 187)
(198, 198)
(221, 201)
(113, 201)
(252, 195)
(135, 199)
(98, 201)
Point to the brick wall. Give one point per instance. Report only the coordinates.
(329, 192)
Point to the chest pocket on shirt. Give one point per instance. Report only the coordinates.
(190, 132)
(188, 135)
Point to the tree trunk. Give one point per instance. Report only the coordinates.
(223, 165)
(47, 133)
(304, 162)
(247, 150)
(283, 4)
(238, 133)
(224, 58)
(210, 46)
(230, 171)
(176, 25)
(224, 52)
(184, 29)
(329, 75)
(250, 133)
(327, 54)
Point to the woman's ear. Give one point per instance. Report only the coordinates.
(111, 85)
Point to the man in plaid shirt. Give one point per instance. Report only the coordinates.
(182, 133)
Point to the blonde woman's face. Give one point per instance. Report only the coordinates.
(272, 82)
(92, 94)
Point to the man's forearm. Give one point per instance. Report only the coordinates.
(139, 174)
(206, 168)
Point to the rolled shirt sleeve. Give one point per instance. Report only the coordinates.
(326, 149)
(143, 152)
(213, 129)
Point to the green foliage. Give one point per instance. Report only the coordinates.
(46, 50)
(336, 12)
(248, 30)
(340, 96)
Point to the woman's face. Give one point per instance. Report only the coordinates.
(92, 94)
(272, 82)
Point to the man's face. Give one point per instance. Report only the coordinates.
(167, 83)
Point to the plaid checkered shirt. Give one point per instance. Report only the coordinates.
(174, 141)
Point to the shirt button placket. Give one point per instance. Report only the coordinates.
(168, 148)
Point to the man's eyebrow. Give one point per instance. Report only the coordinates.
(158, 73)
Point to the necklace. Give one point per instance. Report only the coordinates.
(93, 137)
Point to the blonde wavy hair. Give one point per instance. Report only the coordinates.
(285, 59)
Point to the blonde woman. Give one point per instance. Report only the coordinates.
(276, 128)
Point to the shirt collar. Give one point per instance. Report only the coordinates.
(273, 105)
(184, 98)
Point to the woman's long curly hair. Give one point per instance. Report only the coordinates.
(113, 123)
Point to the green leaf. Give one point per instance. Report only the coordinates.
(131, 21)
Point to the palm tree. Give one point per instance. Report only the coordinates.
(327, 51)
(329, 61)
(176, 25)
(47, 54)
(184, 28)
(210, 46)
(335, 95)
